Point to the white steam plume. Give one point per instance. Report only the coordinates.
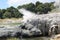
(27, 14)
(57, 3)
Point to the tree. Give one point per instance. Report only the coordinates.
(3, 10)
(48, 7)
(14, 12)
(1, 14)
(39, 8)
(38, 3)
(7, 15)
(31, 7)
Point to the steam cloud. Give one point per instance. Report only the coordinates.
(27, 15)
(44, 19)
(57, 3)
(32, 16)
(39, 21)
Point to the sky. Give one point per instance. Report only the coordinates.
(7, 3)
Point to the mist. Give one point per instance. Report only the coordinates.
(42, 22)
(57, 3)
(27, 15)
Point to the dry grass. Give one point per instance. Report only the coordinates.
(12, 20)
(12, 38)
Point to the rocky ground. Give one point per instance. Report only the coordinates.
(56, 37)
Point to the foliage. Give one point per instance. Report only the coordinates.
(38, 8)
(10, 12)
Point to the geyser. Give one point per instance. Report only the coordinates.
(43, 22)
